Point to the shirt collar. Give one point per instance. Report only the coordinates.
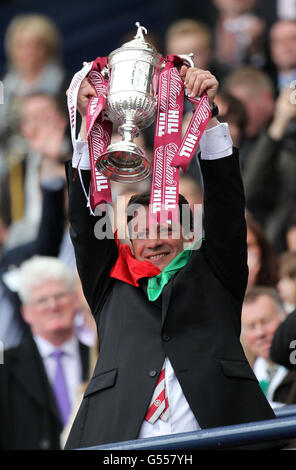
(46, 348)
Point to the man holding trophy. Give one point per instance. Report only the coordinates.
(170, 358)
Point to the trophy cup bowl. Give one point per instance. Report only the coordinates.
(131, 104)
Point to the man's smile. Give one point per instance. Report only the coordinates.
(156, 256)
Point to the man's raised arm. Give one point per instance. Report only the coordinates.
(225, 244)
(224, 202)
(94, 256)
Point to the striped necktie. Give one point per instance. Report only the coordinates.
(159, 405)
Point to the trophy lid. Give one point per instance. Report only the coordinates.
(138, 42)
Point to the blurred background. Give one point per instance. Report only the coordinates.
(90, 28)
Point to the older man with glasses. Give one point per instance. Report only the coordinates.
(39, 379)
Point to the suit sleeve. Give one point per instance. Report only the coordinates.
(283, 348)
(225, 246)
(94, 257)
(52, 224)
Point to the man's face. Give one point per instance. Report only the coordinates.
(29, 52)
(260, 320)
(283, 44)
(51, 310)
(259, 107)
(158, 244)
(36, 112)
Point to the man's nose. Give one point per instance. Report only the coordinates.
(154, 242)
(259, 330)
(52, 302)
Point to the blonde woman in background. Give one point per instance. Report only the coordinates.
(32, 47)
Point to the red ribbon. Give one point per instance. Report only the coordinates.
(164, 196)
(99, 131)
(193, 133)
(128, 269)
(169, 152)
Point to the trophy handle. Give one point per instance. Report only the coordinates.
(105, 72)
(187, 59)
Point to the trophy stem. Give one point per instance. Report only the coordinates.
(125, 161)
(128, 131)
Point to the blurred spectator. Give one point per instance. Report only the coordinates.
(239, 34)
(255, 90)
(43, 122)
(187, 36)
(269, 178)
(283, 51)
(47, 243)
(262, 259)
(52, 240)
(283, 348)
(287, 280)
(32, 47)
(232, 111)
(262, 313)
(39, 378)
(267, 155)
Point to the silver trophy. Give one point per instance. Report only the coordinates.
(131, 104)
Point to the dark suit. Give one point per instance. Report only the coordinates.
(196, 324)
(30, 418)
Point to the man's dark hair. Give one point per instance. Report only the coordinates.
(143, 199)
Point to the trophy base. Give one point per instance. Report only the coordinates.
(124, 162)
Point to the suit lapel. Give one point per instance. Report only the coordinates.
(84, 356)
(166, 297)
(29, 371)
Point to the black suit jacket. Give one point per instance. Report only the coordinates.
(30, 418)
(196, 324)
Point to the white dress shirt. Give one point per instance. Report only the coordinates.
(215, 143)
(261, 371)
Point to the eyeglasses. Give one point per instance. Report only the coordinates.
(59, 298)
